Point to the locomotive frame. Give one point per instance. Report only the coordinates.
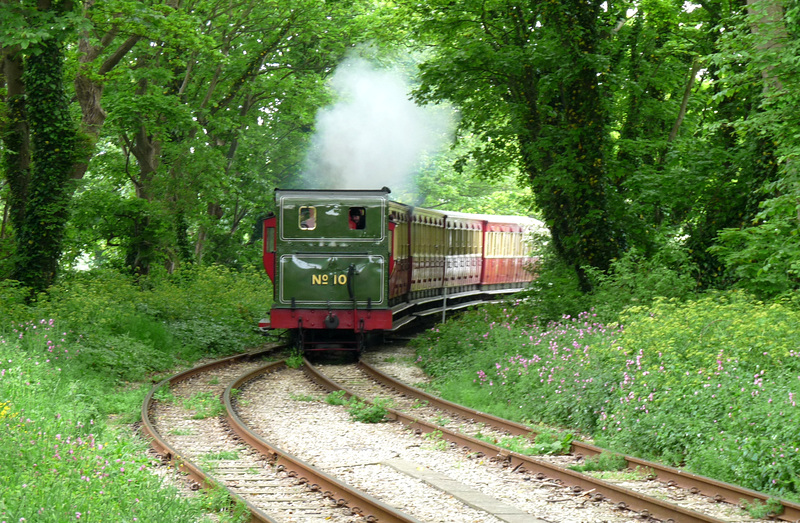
(348, 263)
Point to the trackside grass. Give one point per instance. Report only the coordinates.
(74, 369)
(711, 384)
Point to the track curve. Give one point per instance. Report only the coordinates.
(268, 481)
(716, 492)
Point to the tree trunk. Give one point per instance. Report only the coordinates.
(768, 20)
(53, 142)
(15, 136)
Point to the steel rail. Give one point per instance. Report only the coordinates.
(646, 506)
(718, 490)
(357, 501)
(171, 455)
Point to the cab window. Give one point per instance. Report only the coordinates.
(308, 218)
(357, 218)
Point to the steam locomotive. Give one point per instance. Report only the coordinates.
(349, 263)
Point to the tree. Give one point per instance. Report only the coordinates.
(763, 250)
(43, 150)
(530, 80)
(218, 77)
(202, 106)
(40, 140)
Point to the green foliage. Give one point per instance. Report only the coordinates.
(633, 279)
(550, 374)
(164, 394)
(200, 310)
(107, 226)
(439, 184)
(602, 462)
(61, 459)
(637, 280)
(546, 442)
(758, 510)
(435, 440)
(205, 405)
(13, 301)
(53, 138)
(555, 291)
(766, 257)
(125, 357)
(336, 397)
(303, 397)
(761, 250)
(218, 501)
(364, 412)
(553, 133)
(552, 442)
(712, 386)
(707, 382)
(222, 455)
(295, 361)
(130, 329)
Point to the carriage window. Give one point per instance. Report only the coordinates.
(308, 218)
(357, 218)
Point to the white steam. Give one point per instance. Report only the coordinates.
(374, 135)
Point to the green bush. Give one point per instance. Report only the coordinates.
(634, 279)
(80, 346)
(765, 257)
(709, 383)
(124, 357)
(374, 412)
(602, 462)
(12, 302)
(61, 460)
(712, 383)
(520, 370)
(337, 397)
(638, 280)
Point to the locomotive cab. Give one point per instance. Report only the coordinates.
(328, 255)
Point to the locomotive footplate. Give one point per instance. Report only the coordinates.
(345, 319)
(331, 340)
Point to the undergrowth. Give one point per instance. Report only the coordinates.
(91, 349)
(710, 383)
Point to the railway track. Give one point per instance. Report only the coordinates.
(270, 408)
(368, 381)
(274, 485)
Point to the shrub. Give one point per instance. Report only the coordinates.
(61, 460)
(633, 279)
(712, 383)
(521, 370)
(638, 280)
(12, 302)
(602, 462)
(337, 397)
(374, 412)
(709, 383)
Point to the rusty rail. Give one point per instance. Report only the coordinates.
(171, 455)
(626, 498)
(359, 502)
(717, 490)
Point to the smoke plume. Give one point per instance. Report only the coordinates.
(374, 135)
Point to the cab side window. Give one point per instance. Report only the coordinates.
(308, 218)
(357, 218)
